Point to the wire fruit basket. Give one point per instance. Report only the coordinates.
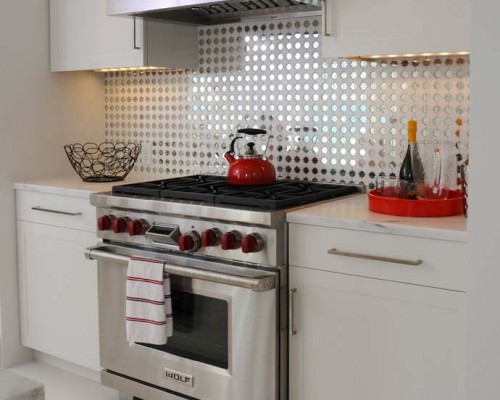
(105, 162)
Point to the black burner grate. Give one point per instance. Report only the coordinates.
(216, 189)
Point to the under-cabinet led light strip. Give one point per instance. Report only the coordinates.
(371, 57)
(409, 55)
(134, 69)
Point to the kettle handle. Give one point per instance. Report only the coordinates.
(252, 131)
(231, 146)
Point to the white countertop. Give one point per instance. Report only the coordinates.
(353, 213)
(349, 213)
(73, 186)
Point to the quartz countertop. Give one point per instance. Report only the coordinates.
(348, 213)
(73, 186)
(353, 213)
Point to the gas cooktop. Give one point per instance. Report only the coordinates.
(216, 190)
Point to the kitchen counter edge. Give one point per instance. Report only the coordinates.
(353, 213)
(71, 186)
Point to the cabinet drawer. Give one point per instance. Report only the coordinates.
(56, 210)
(443, 262)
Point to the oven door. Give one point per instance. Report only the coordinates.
(225, 332)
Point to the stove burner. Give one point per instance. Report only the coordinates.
(217, 190)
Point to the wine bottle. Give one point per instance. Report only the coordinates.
(406, 170)
(417, 165)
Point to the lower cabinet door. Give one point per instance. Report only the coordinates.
(58, 293)
(361, 338)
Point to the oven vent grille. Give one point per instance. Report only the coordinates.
(219, 12)
(237, 6)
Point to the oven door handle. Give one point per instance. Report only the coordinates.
(261, 283)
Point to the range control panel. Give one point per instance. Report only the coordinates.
(187, 235)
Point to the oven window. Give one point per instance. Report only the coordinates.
(200, 329)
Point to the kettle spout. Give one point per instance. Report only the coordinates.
(229, 156)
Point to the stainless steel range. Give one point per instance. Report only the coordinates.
(225, 248)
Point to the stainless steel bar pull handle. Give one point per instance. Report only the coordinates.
(73, 214)
(376, 258)
(257, 284)
(324, 16)
(291, 309)
(135, 34)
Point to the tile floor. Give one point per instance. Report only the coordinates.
(63, 385)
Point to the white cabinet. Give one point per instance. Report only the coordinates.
(58, 285)
(83, 37)
(443, 261)
(366, 27)
(363, 338)
(361, 334)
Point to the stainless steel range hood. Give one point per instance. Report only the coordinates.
(207, 12)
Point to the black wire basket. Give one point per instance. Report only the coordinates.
(105, 162)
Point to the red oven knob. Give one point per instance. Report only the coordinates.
(137, 227)
(252, 243)
(230, 240)
(210, 237)
(105, 222)
(189, 242)
(120, 225)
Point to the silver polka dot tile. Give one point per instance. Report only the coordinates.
(329, 120)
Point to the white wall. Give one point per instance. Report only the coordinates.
(39, 112)
(484, 210)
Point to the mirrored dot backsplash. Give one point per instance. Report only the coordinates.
(329, 120)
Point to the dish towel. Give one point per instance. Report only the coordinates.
(149, 305)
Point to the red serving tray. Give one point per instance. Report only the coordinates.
(453, 205)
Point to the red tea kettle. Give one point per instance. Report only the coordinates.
(250, 168)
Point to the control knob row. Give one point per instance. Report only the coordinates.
(191, 241)
(231, 240)
(251, 243)
(121, 225)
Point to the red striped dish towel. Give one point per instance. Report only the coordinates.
(149, 305)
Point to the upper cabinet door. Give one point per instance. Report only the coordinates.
(83, 37)
(382, 27)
